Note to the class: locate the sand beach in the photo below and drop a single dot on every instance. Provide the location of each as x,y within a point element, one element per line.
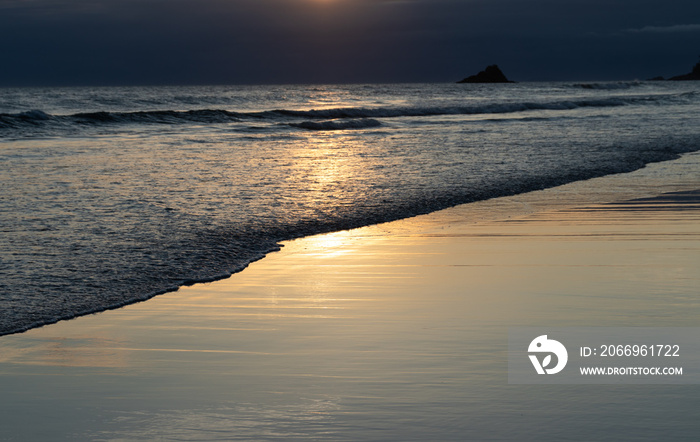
<point>396,331</point>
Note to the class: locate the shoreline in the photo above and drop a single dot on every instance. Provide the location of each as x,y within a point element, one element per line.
<point>393,331</point>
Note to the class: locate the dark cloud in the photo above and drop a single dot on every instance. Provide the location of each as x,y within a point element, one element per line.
<point>277,41</point>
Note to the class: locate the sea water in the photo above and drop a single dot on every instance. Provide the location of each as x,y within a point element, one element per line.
<point>113,195</point>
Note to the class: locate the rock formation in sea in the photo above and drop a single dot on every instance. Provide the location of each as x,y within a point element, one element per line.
<point>693,75</point>
<point>492,74</point>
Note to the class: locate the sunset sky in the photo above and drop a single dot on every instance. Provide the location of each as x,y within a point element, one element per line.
<point>122,42</point>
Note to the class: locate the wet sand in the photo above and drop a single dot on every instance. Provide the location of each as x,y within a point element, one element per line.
<point>389,332</point>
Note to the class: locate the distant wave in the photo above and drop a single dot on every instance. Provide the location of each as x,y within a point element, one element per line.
<point>334,118</point>
<point>38,117</point>
<point>362,123</point>
<point>487,108</point>
<point>609,85</point>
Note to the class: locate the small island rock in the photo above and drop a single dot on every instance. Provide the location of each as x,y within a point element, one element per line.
<point>492,74</point>
<point>694,75</point>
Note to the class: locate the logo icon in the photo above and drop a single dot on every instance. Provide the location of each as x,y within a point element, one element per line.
<point>543,345</point>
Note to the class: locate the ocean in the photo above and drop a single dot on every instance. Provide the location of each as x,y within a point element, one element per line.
<point>114,195</point>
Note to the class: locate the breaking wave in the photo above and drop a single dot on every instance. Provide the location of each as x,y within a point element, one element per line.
<point>609,85</point>
<point>362,123</point>
<point>27,123</point>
